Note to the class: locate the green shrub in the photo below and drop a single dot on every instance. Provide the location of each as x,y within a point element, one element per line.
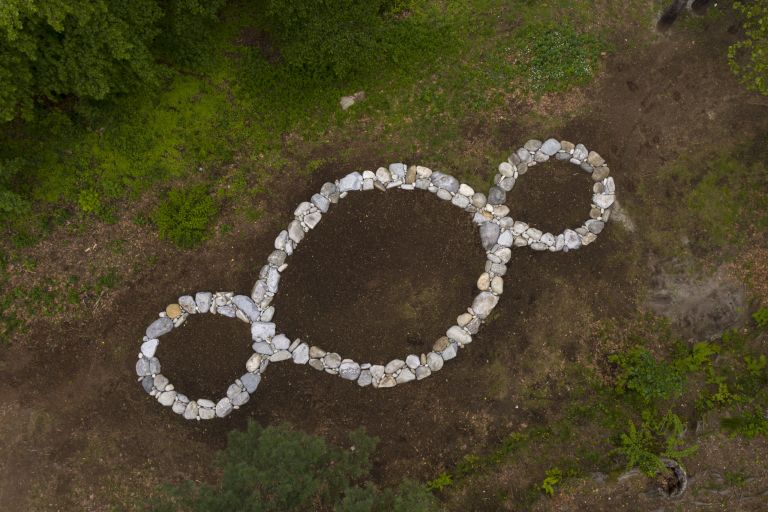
<point>639,372</point>
<point>761,318</point>
<point>553,477</point>
<point>556,57</point>
<point>749,424</point>
<point>637,446</point>
<point>280,469</point>
<point>749,58</point>
<point>185,216</point>
<point>50,51</point>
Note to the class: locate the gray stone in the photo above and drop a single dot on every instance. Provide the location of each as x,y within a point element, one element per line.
<point>580,153</point>
<point>224,407</point>
<point>365,378</point>
<point>562,155</point>
<point>594,159</point>
<point>149,347</point>
<point>441,344</point>
<point>422,372</point>
<point>459,335</point>
<point>600,200</point>
<point>267,314</point>
<point>444,194</point>
<point>410,175</point>
<point>550,147</point>
<point>254,363</point>
<point>398,170</point>
<point>586,167</point>
<point>317,364</point>
<point>412,361</point>
<point>154,365</point>
<point>328,189</point>
<point>548,239</point>
<point>280,355</point>
<point>142,367</point>
<point>281,240</point>
<point>301,354</point>
<point>496,195</point>
<point>506,238</point>
<point>383,175</point>
<point>332,360</point>
<point>349,370</point>
<point>303,209</point>
<point>506,169</point>
<point>259,291</point>
<point>162,325</point>
<point>190,412</point>
<point>262,330</point>
<point>250,381</point>
<point>262,347</point>
<point>204,402</point>
<point>377,372</point>
<point>489,234</point>
<point>295,231</point>
<point>451,351</point>
<point>321,202</point>
<point>609,186</point>
<point>445,182</point>
<point>187,303</point>
<point>600,173</point>
<point>387,381</point>
<point>352,181</point>
<point>148,383</point>
<point>160,382</point>
<point>540,157</point>
<point>203,301</point>
<point>434,361</point>
<point>227,310</point>
<point>460,200</point>
<point>595,226</point>
<point>507,184</point>
<point>281,342</point>
<point>247,306</point>
<point>484,304</point>
<point>572,240</point>
<point>394,365</point>
<point>532,145</point>
<point>206,413</point>
<point>240,398</point>
<point>538,246</point>
<point>533,233</point>
<point>179,406</point>
<point>312,219</point>
<point>405,375</point>
<point>479,200</point>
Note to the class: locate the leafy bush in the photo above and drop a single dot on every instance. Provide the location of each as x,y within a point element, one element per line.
<point>749,58</point>
<point>553,477</point>
<point>556,57</point>
<point>185,216</point>
<point>280,469</point>
<point>749,424</point>
<point>640,373</point>
<point>761,318</point>
<point>643,447</point>
<point>50,51</point>
<point>328,41</point>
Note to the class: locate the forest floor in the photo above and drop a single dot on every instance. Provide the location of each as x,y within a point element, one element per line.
<point>385,275</point>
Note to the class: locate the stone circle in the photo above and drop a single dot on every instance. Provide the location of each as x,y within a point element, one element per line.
<point>499,233</point>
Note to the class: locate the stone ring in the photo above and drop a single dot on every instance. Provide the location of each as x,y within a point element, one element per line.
<point>498,234</point>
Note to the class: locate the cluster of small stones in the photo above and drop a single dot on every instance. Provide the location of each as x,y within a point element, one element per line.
<point>498,233</point>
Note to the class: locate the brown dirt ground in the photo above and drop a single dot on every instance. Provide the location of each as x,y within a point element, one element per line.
<point>79,434</point>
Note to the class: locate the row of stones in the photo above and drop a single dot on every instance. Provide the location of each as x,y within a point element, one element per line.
<point>507,233</point>
<point>308,214</point>
<point>148,366</point>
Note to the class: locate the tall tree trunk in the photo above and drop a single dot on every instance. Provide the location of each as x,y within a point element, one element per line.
<point>671,14</point>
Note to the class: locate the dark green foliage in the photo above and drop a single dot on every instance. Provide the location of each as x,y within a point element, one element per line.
<point>651,380</point>
<point>643,446</point>
<point>761,318</point>
<point>280,469</point>
<point>749,57</point>
<point>185,216</point>
<point>89,49</point>
<point>749,424</point>
<point>556,57</point>
<point>323,40</point>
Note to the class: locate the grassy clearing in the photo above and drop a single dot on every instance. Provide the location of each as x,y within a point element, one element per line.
<point>622,417</point>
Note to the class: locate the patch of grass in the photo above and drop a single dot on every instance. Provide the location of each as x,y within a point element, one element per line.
<point>185,216</point>
<point>642,374</point>
<point>555,57</point>
<point>749,424</point>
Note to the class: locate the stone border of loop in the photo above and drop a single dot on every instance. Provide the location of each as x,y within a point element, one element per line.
<point>498,234</point>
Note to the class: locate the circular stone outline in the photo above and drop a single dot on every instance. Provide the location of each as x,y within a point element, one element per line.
<point>498,234</point>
